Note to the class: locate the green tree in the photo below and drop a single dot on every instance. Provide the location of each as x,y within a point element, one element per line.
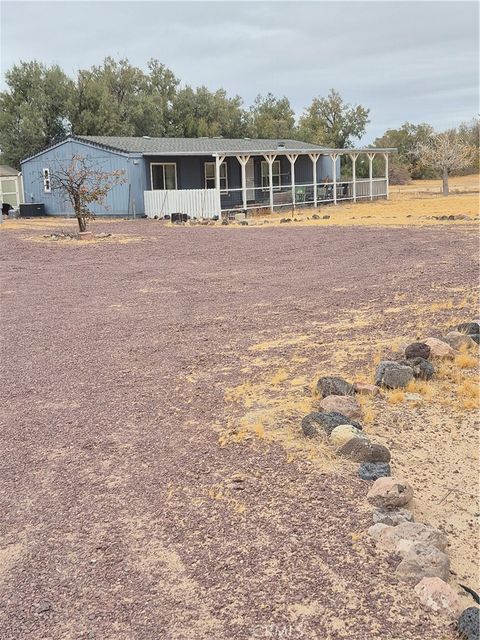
<point>33,109</point>
<point>333,123</point>
<point>407,140</point>
<point>119,99</point>
<point>200,112</point>
<point>470,134</point>
<point>271,117</point>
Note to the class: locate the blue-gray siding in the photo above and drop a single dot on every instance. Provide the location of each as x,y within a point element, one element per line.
<point>117,201</point>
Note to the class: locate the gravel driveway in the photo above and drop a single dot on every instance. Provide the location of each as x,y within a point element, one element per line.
<point>121,516</point>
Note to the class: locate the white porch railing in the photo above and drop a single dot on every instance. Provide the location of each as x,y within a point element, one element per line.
<point>304,194</point>
<point>197,203</point>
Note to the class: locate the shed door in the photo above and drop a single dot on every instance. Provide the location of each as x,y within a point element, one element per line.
<point>250,180</point>
<point>9,191</point>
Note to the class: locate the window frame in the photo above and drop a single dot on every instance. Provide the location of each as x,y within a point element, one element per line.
<point>47,183</point>
<point>266,187</point>
<point>163,164</point>
<point>225,177</point>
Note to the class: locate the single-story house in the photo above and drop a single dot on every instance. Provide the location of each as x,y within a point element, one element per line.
<point>205,177</point>
<point>11,189</point>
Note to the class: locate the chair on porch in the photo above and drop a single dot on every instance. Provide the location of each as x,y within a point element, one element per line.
<point>322,192</point>
<point>300,194</point>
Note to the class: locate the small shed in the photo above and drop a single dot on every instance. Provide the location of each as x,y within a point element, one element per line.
<point>11,188</point>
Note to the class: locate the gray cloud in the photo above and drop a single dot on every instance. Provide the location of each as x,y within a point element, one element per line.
<point>415,61</point>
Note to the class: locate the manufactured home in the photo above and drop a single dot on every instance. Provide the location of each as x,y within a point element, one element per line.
<point>207,177</point>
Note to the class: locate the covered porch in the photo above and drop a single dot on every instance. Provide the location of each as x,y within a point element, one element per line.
<point>225,183</point>
<point>301,179</point>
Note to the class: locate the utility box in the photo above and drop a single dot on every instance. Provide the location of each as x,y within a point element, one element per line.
<point>32,209</point>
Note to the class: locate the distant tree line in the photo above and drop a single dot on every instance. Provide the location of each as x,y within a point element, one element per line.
<point>42,105</point>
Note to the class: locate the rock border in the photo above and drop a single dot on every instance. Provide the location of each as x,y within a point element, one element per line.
<point>425,563</point>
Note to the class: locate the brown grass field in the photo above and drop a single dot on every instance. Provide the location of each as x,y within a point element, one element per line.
<point>155,480</point>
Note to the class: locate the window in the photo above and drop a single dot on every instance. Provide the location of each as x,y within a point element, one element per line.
<point>47,188</point>
<point>275,175</point>
<point>163,175</point>
<point>210,176</point>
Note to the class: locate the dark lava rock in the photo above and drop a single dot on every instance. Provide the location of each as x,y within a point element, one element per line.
<point>374,470</point>
<point>393,375</point>
<point>283,220</point>
<point>362,450</point>
<point>468,624</point>
<point>417,350</point>
<point>422,368</point>
<point>475,337</point>
<point>333,386</point>
<point>469,328</point>
<point>326,422</point>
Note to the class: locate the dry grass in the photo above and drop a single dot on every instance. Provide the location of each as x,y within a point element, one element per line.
<point>466,361</point>
<point>117,238</point>
<point>422,387</point>
<point>432,188</point>
<point>468,395</point>
<point>396,396</point>
<point>409,205</point>
<point>51,224</point>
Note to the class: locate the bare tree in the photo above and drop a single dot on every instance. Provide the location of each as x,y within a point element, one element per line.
<point>446,152</point>
<point>83,183</point>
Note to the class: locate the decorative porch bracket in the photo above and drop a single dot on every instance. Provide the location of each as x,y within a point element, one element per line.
<point>314,158</point>
<point>371,156</point>
<point>270,158</point>
<point>243,163</point>
<point>354,157</point>
<point>292,157</point>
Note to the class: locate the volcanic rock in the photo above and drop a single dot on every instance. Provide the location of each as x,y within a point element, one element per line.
<point>390,492</point>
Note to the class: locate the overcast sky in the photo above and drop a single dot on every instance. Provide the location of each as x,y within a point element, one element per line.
<point>415,61</point>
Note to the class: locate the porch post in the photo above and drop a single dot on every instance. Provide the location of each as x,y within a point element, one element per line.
<point>334,157</point>
<point>292,157</point>
<point>314,158</point>
<point>218,162</point>
<point>270,158</point>
<point>243,163</point>
<point>385,155</point>
<point>354,157</point>
<point>370,172</point>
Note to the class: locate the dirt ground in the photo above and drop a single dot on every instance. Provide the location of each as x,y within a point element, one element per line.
<point>155,482</point>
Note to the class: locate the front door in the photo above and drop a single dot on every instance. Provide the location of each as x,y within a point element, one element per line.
<point>250,180</point>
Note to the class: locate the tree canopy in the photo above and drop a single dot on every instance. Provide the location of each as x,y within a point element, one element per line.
<point>34,111</point>
<point>42,104</point>
<point>333,123</point>
<point>271,117</point>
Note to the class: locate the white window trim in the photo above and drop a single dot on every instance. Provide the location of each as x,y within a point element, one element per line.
<point>275,187</point>
<point>46,180</point>
<point>162,164</point>
<point>224,164</point>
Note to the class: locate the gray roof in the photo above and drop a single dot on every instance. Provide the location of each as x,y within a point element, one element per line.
<point>207,146</point>
<point>148,146</point>
<point>6,171</point>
